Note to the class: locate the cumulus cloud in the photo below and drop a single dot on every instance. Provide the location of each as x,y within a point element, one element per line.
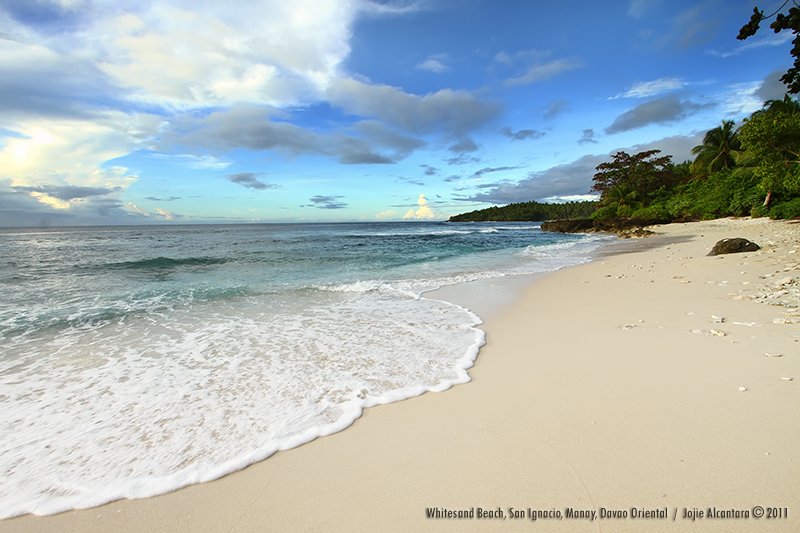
<point>386,215</point>
<point>54,159</point>
<point>275,53</point>
<point>66,192</point>
<point>158,214</point>
<point>423,212</point>
<point>368,142</point>
<point>38,82</point>
<point>562,180</point>
<point>662,110</point>
<point>772,88</point>
<point>33,206</point>
<point>454,112</point>
<point>250,180</point>
<point>521,135</point>
<point>574,179</point>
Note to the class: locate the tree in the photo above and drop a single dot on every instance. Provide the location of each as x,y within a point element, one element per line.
<point>787,106</point>
<point>719,150</point>
<point>642,173</point>
<point>773,138</point>
<point>782,22</point>
<point>624,199</point>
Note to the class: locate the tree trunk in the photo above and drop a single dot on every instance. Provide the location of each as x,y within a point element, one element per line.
<point>766,200</point>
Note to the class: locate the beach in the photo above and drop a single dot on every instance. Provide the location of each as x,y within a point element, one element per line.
<point>655,379</point>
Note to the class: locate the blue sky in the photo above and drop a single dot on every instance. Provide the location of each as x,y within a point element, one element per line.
<point>195,111</point>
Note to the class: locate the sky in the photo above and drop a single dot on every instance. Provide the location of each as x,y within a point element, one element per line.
<point>204,111</point>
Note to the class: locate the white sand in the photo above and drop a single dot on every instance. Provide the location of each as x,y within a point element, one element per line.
<point>603,386</point>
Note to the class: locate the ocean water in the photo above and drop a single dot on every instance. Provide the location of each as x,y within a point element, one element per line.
<point>137,360</point>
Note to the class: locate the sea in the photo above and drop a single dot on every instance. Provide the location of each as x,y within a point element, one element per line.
<point>137,360</point>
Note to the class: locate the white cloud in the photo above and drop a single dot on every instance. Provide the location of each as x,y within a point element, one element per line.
<point>205,54</point>
<point>652,88</point>
<point>424,212</point>
<point>433,65</point>
<point>542,71</point>
<point>204,162</point>
<point>742,99</point>
<point>772,39</point>
<point>386,215</point>
<point>68,153</point>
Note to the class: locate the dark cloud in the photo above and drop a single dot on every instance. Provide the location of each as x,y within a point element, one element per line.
<point>45,85</point>
<point>67,192</point>
<point>490,170</point>
<point>588,137</point>
<point>448,111</point>
<point>575,178</point>
<point>463,159</point>
<point>772,88</point>
<point>326,202</point>
<point>554,108</point>
<point>42,14</point>
<point>170,199</point>
<point>539,71</point>
<point>250,180</point>
<point>562,180</point>
<point>429,170</point>
<point>377,134</point>
<point>19,208</point>
<point>252,128</point>
<point>464,146</point>
<point>662,110</point>
<point>521,135</point>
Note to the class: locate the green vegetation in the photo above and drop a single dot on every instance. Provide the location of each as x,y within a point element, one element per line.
<point>790,21</point>
<point>753,170</point>
<point>750,171</point>
<point>529,212</point>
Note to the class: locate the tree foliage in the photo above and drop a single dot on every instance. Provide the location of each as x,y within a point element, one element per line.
<point>790,21</point>
<point>529,212</point>
<point>642,173</point>
<point>720,149</point>
<point>773,138</point>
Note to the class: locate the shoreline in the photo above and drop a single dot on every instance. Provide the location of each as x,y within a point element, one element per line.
<point>568,407</point>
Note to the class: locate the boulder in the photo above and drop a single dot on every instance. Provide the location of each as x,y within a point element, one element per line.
<point>569,226</point>
<point>733,246</point>
<point>624,227</point>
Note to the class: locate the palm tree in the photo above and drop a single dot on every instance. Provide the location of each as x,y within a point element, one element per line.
<point>719,150</point>
<point>787,106</point>
<point>624,198</point>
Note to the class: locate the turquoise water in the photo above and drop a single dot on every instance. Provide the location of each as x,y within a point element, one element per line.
<point>137,360</point>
